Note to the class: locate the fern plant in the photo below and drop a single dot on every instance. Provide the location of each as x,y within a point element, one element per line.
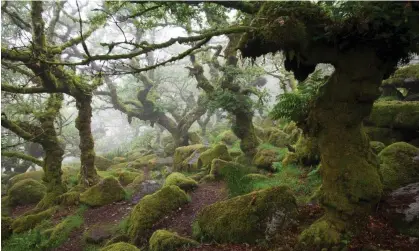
<point>295,105</point>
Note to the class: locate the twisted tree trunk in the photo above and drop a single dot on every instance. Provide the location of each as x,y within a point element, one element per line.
<point>88,175</point>
<point>351,181</point>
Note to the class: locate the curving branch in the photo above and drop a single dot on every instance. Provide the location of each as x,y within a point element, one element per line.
<point>23,156</point>
<point>29,90</point>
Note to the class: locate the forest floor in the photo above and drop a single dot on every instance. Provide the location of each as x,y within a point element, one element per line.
<point>376,233</point>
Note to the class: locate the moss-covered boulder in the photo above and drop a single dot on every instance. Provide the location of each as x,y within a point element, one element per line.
<point>386,135</point>
<point>395,114</point>
<point>118,160</point>
<point>120,246</point>
<point>163,240</point>
<point>148,161</point>
<point>306,152</point>
<point>399,165</point>
<point>69,198</point>
<point>264,159</point>
<point>26,222</point>
<point>219,166</point>
<point>102,163</point>
<point>6,227</point>
<point>186,156</point>
<point>105,192</point>
<point>377,146</point>
<point>227,137</point>
<point>26,192</point>
<point>194,138</point>
<point>278,138</point>
<point>247,218</point>
<point>36,175</point>
<point>126,177</point>
<point>98,233</point>
<point>180,180</point>
<point>216,152</point>
<point>152,208</point>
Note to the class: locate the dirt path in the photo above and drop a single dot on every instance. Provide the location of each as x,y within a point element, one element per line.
<point>181,220</point>
<point>109,215</point>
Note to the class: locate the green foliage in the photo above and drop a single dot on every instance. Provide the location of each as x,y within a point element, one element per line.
<point>295,105</point>
<point>232,175</point>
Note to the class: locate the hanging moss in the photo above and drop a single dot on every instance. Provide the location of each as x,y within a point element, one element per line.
<point>180,180</point>
<point>152,208</point>
<point>163,240</point>
<point>246,218</point>
<point>398,165</point>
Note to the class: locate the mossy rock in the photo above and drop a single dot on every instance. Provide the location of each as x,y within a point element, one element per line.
<point>208,178</point>
<point>163,240</point>
<point>216,152</point>
<point>105,192</point>
<point>148,161</point>
<point>377,146</point>
<point>264,159</point>
<point>386,135</point>
<point>26,222</point>
<point>102,163</point>
<point>98,233</point>
<point>69,198</point>
<point>136,183</point>
<point>169,149</point>
<point>120,246</point>
<point>127,177</point>
<point>399,165</point>
<point>36,175</point>
<point>395,114</point>
<point>307,152</point>
<point>234,153</point>
<point>218,166</point>
<point>198,176</point>
<point>247,218</point>
<point>26,192</point>
<point>6,227</point>
<point>152,208</point>
<point>253,177</point>
<point>290,158</point>
<point>194,138</point>
<point>180,180</point>
<point>227,137</point>
<point>118,160</point>
<point>180,162</point>
<point>5,207</point>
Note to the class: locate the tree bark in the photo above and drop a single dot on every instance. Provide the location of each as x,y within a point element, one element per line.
<point>88,175</point>
<point>351,182</point>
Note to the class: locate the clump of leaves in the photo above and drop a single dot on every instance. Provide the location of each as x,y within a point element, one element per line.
<point>295,105</point>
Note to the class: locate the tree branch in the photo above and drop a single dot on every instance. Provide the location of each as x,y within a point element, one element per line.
<point>22,156</point>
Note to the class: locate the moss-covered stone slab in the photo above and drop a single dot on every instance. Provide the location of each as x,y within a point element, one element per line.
<point>163,240</point>
<point>247,218</point>
<point>120,246</point>
<point>181,162</point>
<point>377,146</point>
<point>107,191</point>
<point>216,152</point>
<point>278,138</point>
<point>227,137</point>
<point>26,222</point>
<point>395,114</point>
<point>148,161</point>
<point>399,165</point>
<point>36,175</point>
<point>102,163</point>
<point>265,158</point>
<point>152,208</point>
<point>180,180</point>
<point>26,192</point>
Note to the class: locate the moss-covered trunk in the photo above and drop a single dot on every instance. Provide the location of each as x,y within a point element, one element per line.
<point>88,175</point>
<point>351,181</point>
<point>243,128</point>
